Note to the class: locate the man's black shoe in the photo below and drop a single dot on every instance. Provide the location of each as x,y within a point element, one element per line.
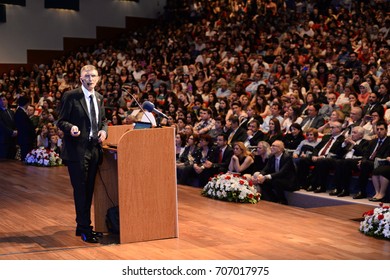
<point>320,190</point>
<point>89,238</point>
<point>310,189</point>
<point>360,195</point>
<point>93,233</point>
<point>334,192</point>
<point>343,193</point>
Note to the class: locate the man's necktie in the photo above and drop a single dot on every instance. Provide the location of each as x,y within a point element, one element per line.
<point>220,156</point>
<point>372,157</point>
<point>327,146</point>
<point>93,118</point>
<point>277,164</point>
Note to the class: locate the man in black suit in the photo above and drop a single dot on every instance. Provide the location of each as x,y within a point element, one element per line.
<point>277,176</point>
<point>82,119</point>
<point>313,119</point>
<point>255,135</point>
<point>8,131</point>
<point>373,105</point>
<point>26,132</point>
<point>237,133</point>
<point>217,161</point>
<point>377,148</point>
<point>329,147</point>
<point>355,147</point>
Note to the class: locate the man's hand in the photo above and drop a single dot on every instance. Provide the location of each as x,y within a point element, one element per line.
<point>102,136</point>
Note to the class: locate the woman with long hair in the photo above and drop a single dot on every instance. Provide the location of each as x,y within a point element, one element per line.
<point>242,160</point>
<point>262,107</point>
<point>275,131</point>
<point>291,116</point>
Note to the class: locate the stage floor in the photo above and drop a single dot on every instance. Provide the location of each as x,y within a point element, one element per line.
<point>37,222</point>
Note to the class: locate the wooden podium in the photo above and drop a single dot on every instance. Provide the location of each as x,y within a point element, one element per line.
<point>139,176</point>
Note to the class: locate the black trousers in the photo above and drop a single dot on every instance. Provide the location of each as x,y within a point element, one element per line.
<point>273,190</point>
<point>82,175</point>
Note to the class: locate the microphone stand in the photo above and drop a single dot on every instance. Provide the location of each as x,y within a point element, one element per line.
<point>139,105</point>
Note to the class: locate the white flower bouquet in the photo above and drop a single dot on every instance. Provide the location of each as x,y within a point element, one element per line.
<point>231,187</point>
<point>43,157</point>
<point>377,222</point>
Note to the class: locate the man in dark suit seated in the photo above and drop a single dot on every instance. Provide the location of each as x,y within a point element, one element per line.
<point>217,160</point>
<point>313,119</point>
<point>237,133</point>
<point>254,134</point>
<point>373,104</point>
<point>277,176</point>
<point>378,148</point>
<point>355,147</point>
<point>329,147</point>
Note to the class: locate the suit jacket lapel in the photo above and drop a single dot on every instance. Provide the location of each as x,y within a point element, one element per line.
<point>83,103</point>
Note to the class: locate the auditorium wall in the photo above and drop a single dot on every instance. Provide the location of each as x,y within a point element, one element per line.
<point>32,27</point>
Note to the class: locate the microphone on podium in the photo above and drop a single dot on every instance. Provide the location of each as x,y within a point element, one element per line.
<point>149,106</point>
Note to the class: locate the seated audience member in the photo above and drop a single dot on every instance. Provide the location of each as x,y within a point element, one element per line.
<point>365,91</point>
<point>330,146</point>
<point>353,102</point>
<point>306,147</point>
<point>187,157</point>
<point>276,110</point>
<point>336,115</point>
<point>242,160</point>
<point>313,119</point>
<point>186,160</point>
<point>206,122</point>
<point>274,132</point>
<point>254,134</point>
<point>354,119</point>
<point>43,137</point>
<point>355,147</point>
<point>180,125</point>
<point>237,133</point>
<point>327,109</point>
<point>180,144</point>
<point>380,180</point>
<point>369,123</point>
<point>378,148</point>
<point>55,144</point>
<point>115,120</point>
<point>251,115</point>
<point>190,173</point>
<point>291,116</point>
<point>236,110</point>
<point>277,176</point>
<point>216,162</point>
<point>261,106</point>
<point>261,156</point>
<point>218,128</point>
<point>294,138</point>
<point>373,104</point>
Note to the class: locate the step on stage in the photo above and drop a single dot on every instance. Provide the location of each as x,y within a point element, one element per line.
<point>37,222</point>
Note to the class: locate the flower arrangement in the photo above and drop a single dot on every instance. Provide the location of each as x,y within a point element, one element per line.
<point>43,157</point>
<point>231,187</point>
<point>377,222</point>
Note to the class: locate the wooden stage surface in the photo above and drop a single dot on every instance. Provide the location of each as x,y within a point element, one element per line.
<point>37,222</point>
